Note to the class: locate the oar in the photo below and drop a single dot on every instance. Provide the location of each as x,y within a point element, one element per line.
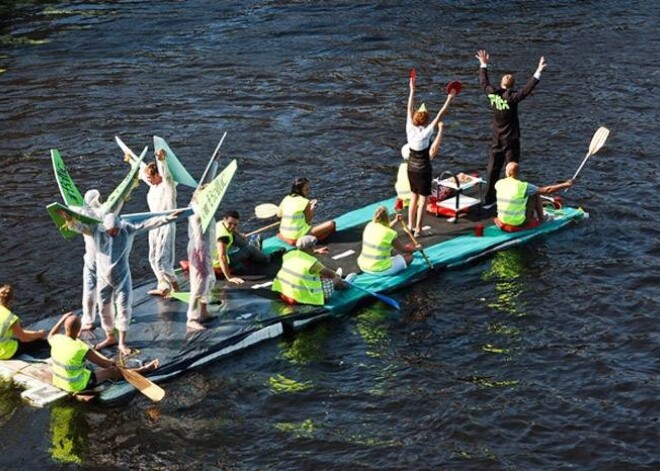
<point>414,241</point>
<point>269,226</point>
<point>600,136</point>
<point>142,384</point>
<point>385,299</point>
<point>266,210</point>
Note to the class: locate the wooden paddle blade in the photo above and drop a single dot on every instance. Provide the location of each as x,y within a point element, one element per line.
<point>413,74</point>
<point>454,86</point>
<point>600,136</point>
<point>266,210</point>
<point>142,384</point>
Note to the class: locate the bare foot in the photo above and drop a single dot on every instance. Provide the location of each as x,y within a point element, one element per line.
<point>175,286</point>
<point>152,365</point>
<point>86,327</point>
<point>159,292</point>
<point>108,342</point>
<point>195,325</point>
<point>125,350</point>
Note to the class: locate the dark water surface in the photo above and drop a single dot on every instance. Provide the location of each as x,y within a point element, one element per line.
<point>541,357</point>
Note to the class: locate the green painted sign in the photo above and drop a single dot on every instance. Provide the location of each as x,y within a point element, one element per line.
<point>209,197</point>
<point>125,187</point>
<point>68,189</point>
<point>55,211</point>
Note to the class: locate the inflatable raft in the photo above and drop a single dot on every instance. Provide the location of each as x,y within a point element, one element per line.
<point>251,313</point>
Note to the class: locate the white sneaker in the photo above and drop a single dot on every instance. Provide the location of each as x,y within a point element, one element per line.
<point>339,271</point>
<point>350,277</point>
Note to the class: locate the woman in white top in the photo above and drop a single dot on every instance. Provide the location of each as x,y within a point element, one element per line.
<point>420,173</point>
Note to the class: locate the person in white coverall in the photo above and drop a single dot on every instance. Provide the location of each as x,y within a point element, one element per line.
<point>113,242</point>
<point>201,246</point>
<point>91,208</point>
<point>161,197</point>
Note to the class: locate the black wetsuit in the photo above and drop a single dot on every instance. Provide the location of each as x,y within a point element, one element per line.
<point>505,145</point>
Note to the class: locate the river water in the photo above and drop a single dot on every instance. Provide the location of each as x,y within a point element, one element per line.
<point>544,356</point>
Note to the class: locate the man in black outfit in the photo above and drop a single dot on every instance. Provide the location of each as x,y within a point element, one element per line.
<point>505,146</point>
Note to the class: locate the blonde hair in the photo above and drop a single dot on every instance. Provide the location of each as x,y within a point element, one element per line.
<point>381,215</point>
<point>6,294</point>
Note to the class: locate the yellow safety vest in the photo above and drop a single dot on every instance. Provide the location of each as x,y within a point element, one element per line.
<point>511,201</point>
<point>68,357</point>
<point>222,231</point>
<point>293,224</point>
<point>376,247</point>
<point>296,280</point>
<point>402,184</point>
<point>8,345</point>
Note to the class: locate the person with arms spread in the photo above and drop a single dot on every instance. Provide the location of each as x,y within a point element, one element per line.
<point>421,152</point>
<point>505,144</point>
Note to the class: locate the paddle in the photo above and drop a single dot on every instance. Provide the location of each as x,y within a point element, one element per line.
<point>600,136</point>
<point>414,241</point>
<point>266,210</point>
<point>142,384</point>
<point>269,226</point>
<point>385,299</point>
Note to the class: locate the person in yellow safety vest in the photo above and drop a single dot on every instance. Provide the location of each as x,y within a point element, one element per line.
<point>68,356</point>
<point>378,240</point>
<point>297,212</point>
<point>518,202</point>
<point>303,279</point>
<point>233,248</point>
<point>13,338</point>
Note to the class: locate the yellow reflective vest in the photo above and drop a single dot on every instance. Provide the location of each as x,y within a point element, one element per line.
<point>293,224</point>
<point>511,201</point>
<point>68,357</point>
<point>296,280</point>
<point>402,184</point>
<point>376,247</point>
<point>222,231</point>
<point>8,345</point>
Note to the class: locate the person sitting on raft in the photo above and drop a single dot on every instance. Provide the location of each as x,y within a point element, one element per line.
<point>303,279</point>
<point>518,203</point>
<point>233,248</point>
<point>378,240</point>
<point>13,338</point>
<point>296,213</point>
<point>68,355</point>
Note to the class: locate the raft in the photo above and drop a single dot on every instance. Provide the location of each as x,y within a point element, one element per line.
<point>251,313</point>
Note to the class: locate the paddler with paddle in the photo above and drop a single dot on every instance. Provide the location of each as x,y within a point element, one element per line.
<point>519,205</point>
<point>14,339</point>
<point>418,132</point>
<point>303,279</point>
<point>378,240</point>
<point>68,355</point>
<point>505,144</point>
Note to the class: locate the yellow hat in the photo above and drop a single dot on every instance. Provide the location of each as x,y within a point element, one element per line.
<point>422,109</point>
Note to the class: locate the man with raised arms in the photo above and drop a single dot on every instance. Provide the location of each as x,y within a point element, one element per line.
<point>505,144</point>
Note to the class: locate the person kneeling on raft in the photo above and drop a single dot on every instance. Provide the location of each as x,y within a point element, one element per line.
<point>14,339</point>
<point>68,355</point>
<point>518,202</point>
<point>378,240</point>
<point>233,248</point>
<point>303,279</point>
<point>297,212</point>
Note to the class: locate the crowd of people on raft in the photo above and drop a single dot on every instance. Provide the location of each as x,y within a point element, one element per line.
<point>302,278</point>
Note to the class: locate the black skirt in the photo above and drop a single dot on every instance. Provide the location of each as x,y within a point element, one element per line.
<point>420,172</point>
